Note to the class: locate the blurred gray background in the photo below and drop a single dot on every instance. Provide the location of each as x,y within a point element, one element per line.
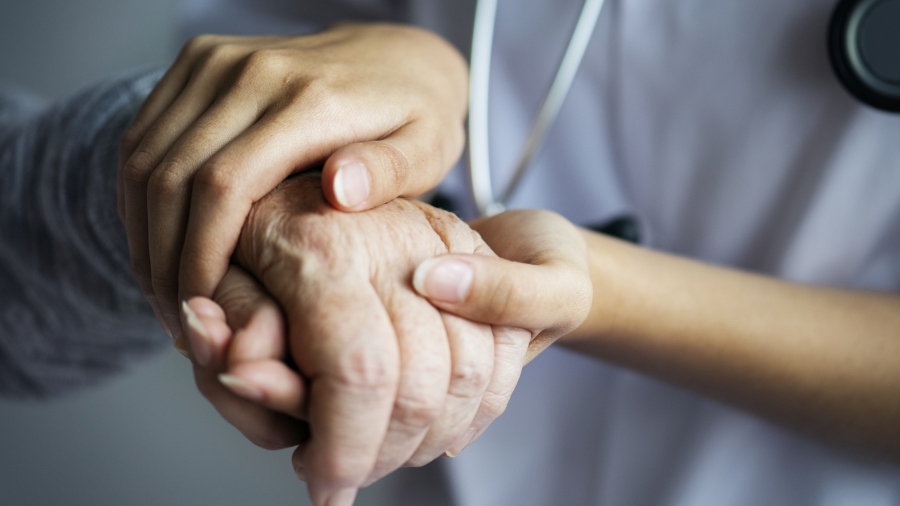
<point>54,47</point>
<point>147,437</point>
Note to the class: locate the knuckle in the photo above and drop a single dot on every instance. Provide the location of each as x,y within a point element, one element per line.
<point>198,44</point>
<point>167,180</point>
<point>417,411</point>
<point>453,232</point>
<point>217,56</point>
<point>217,181</point>
<point>322,96</point>
<point>322,248</point>
<point>264,62</point>
<point>138,168</point>
<point>369,372</point>
<point>469,378</point>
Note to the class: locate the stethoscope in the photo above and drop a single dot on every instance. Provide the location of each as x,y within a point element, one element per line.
<point>863,45</point>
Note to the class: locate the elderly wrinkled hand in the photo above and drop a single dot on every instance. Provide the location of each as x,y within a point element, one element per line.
<point>387,378</point>
<point>382,106</point>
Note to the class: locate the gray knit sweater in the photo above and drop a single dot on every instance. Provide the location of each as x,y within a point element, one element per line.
<point>70,311</point>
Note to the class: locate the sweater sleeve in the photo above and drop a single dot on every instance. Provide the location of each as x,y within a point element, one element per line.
<point>71,313</point>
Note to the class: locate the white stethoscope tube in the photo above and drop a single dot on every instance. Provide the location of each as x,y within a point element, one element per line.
<point>479,89</point>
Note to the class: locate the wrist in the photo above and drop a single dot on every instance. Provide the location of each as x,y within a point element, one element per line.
<point>606,303</point>
<point>610,262</point>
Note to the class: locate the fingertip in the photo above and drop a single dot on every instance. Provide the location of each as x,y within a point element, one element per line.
<point>364,175</point>
<point>241,387</point>
<point>328,497</point>
<point>343,497</point>
<point>205,307</point>
<point>463,441</point>
<point>444,279</point>
<point>263,338</point>
<point>206,335</point>
<point>270,383</point>
<point>421,273</point>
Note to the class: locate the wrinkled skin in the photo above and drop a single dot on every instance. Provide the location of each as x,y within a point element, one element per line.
<point>388,379</point>
<point>234,116</point>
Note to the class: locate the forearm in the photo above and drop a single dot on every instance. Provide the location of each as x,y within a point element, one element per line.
<point>822,360</point>
<point>71,311</point>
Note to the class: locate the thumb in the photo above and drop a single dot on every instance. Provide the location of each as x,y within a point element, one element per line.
<point>409,162</point>
<point>551,298</point>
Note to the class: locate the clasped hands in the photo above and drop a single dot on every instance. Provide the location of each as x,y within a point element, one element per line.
<point>370,330</point>
<point>381,313</point>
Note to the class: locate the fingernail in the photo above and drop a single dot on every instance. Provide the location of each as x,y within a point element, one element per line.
<point>462,442</point>
<point>180,345</point>
<point>351,184</point>
<point>445,280</point>
<point>343,497</point>
<point>198,336</point>
<point>241,387</point>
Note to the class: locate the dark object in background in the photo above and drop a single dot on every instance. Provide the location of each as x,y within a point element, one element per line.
<point>864,46</point>
<point>441,201</point>
<point>623,227</point>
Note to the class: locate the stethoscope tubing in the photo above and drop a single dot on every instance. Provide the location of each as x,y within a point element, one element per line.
<point>479,90</point>
<point>845,50</point>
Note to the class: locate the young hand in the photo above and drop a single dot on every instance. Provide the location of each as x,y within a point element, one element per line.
<point>380,105</point>
<point>538,281</point>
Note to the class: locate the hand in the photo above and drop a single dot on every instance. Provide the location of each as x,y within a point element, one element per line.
<point>540,281</point>
<point>256,349</point>
<point>382,106</point>
<point>391,380</point>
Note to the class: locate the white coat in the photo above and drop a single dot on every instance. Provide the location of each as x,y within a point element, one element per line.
<point>720,126</point>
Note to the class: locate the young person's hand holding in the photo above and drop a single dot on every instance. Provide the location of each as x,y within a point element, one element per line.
<point>382,106</point>
<point>818,359</point>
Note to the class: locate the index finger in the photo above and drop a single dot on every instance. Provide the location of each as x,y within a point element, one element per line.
<point>166,91</point>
